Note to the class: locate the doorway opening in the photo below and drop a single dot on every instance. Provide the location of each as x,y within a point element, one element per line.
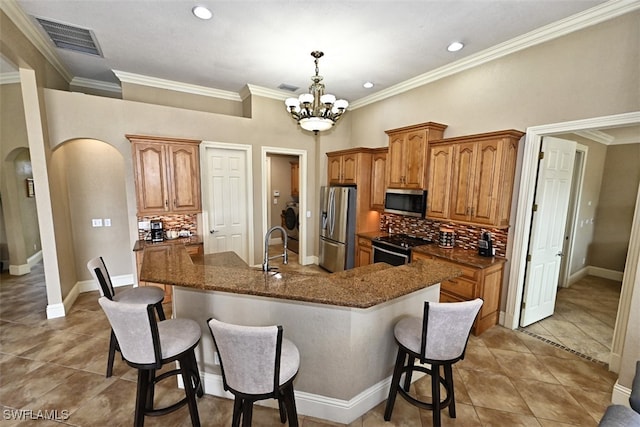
<point>524,220</point>
<point>284,169</point>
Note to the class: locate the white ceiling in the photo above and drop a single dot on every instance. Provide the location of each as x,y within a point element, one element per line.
<point>267,43</point>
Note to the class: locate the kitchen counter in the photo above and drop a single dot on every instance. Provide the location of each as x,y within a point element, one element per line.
<point>342,323</point>
<point>362,287</point>
<point>185,241</point>
<point>459,255</point>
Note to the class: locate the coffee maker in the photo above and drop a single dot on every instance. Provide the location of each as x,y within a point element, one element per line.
<point>157,234</point>
<point>485,245</point>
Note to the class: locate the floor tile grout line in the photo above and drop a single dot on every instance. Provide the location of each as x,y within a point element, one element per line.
<point>562,347</point>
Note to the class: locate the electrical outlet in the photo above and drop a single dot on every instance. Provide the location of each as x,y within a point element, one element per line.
<point>107,222</point>
<point>96,222</point>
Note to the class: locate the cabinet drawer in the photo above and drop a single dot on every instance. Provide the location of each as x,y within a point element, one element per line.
<point>467,272</point>
<point>459,286</point>
<point>364,242</point>
<point>193,249</point>
<point>445,297</point>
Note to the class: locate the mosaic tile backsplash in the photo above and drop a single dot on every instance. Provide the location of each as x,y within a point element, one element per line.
<point>466,236</point>
<point>172,222</point>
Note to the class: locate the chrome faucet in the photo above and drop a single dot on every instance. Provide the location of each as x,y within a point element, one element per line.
<point>265,263</point>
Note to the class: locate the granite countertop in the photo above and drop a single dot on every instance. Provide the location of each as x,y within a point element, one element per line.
<point>361,287</point>
<point>459,255</point>
<point>193,240</point>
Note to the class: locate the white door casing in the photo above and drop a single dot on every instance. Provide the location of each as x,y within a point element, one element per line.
<point>547,229</point>
<point>227,198</point>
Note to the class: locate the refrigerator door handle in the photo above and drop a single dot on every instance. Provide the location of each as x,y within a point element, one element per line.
<point>332,210</point>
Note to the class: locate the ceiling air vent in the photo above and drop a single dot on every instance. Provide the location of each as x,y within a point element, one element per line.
<point>71,38</point>
<point>290,88</point>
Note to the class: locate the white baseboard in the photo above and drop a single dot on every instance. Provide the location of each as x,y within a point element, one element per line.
<point>620,395</point>
<point>605,273</point>
<point>19,270</point>
<point>55,310</point>
<point>615,361</point>
<point>92,285</point>
<point>590,270</point>
<point>313,405</point>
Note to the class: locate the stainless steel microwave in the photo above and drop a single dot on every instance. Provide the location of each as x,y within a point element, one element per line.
<point>406,202</point>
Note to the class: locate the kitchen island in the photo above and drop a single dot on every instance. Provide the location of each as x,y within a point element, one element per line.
<point>342,323</point>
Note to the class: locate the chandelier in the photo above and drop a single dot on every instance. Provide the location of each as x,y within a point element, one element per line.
<point>316,111</point>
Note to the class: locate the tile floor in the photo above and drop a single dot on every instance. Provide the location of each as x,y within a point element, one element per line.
<point>584,318</point>
<point>507,379</point>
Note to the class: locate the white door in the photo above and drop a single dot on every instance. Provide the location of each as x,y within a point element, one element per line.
<point>227,206</point>
<point>553,189</point>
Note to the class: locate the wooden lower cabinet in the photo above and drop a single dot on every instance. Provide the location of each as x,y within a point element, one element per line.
<point>163,252</point>
<point>364,252</point>
<point>485,283</point>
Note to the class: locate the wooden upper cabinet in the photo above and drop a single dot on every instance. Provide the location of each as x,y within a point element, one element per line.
<point>378,177</point>
<point>343,168</point>
<point>167,175</point>
<point>353,167</point>
<point>438,195</point>
<point>407,159</point>
<point>481,178</point>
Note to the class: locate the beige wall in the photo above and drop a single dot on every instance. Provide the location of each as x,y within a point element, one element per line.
<point>95,180</point>
<point>616,206</point>
<point>589,73</point>
<point>134,92</point>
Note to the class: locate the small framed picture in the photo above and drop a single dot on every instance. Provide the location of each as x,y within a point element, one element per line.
<point>30,189</point>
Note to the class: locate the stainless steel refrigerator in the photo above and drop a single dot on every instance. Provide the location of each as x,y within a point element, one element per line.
<point>337,228</point>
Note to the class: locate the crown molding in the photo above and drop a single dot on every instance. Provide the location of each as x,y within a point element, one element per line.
<point>595,15</point>
<point>597,136</point>
<point>250,89</point>
<point>140,79</point>
<point>9,78</point>
<point>95,84</point>
<point>24,24</point>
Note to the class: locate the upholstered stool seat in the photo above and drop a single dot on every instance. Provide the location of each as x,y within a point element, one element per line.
<point>439,339</point>
<point>257,363</point>
<point>148,345</point>
<point>140,295</point>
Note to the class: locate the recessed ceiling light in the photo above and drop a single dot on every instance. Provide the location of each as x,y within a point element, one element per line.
<point>202,12</point>
<point>367,85</point>
<point>455,46</point>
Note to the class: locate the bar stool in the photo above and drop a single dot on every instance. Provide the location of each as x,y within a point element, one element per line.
<point>257,363</point>
<point>142,295</point>
<point>439,339</point>
<point>148,345</point>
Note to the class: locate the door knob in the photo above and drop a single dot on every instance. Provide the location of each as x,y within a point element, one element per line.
<point>560,254</point>
<point>212,231</point>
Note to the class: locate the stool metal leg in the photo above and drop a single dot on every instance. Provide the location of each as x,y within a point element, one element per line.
<point>435,394</point>
<point>113,345</point>
<point>448,379</point>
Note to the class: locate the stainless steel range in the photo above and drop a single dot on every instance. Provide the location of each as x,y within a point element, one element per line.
<point>395,249</point>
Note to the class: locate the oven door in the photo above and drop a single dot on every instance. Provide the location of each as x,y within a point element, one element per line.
<point>390,255</point>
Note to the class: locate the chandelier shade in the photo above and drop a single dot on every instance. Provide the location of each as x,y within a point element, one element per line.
<point>316,111</point>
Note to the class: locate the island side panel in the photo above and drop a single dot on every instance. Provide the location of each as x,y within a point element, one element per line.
<point>344,351</point>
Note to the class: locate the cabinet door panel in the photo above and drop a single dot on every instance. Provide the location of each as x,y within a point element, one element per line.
<point>415,158</point>
<point>334,169</point>
<point>349,168</point>
<point>395,161</point>
<point>183,164</point>
<point>440,163</point>
<point>486,183</point>
<point>462,185</point>
<point>378,180</point>
<point>151,178</point>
